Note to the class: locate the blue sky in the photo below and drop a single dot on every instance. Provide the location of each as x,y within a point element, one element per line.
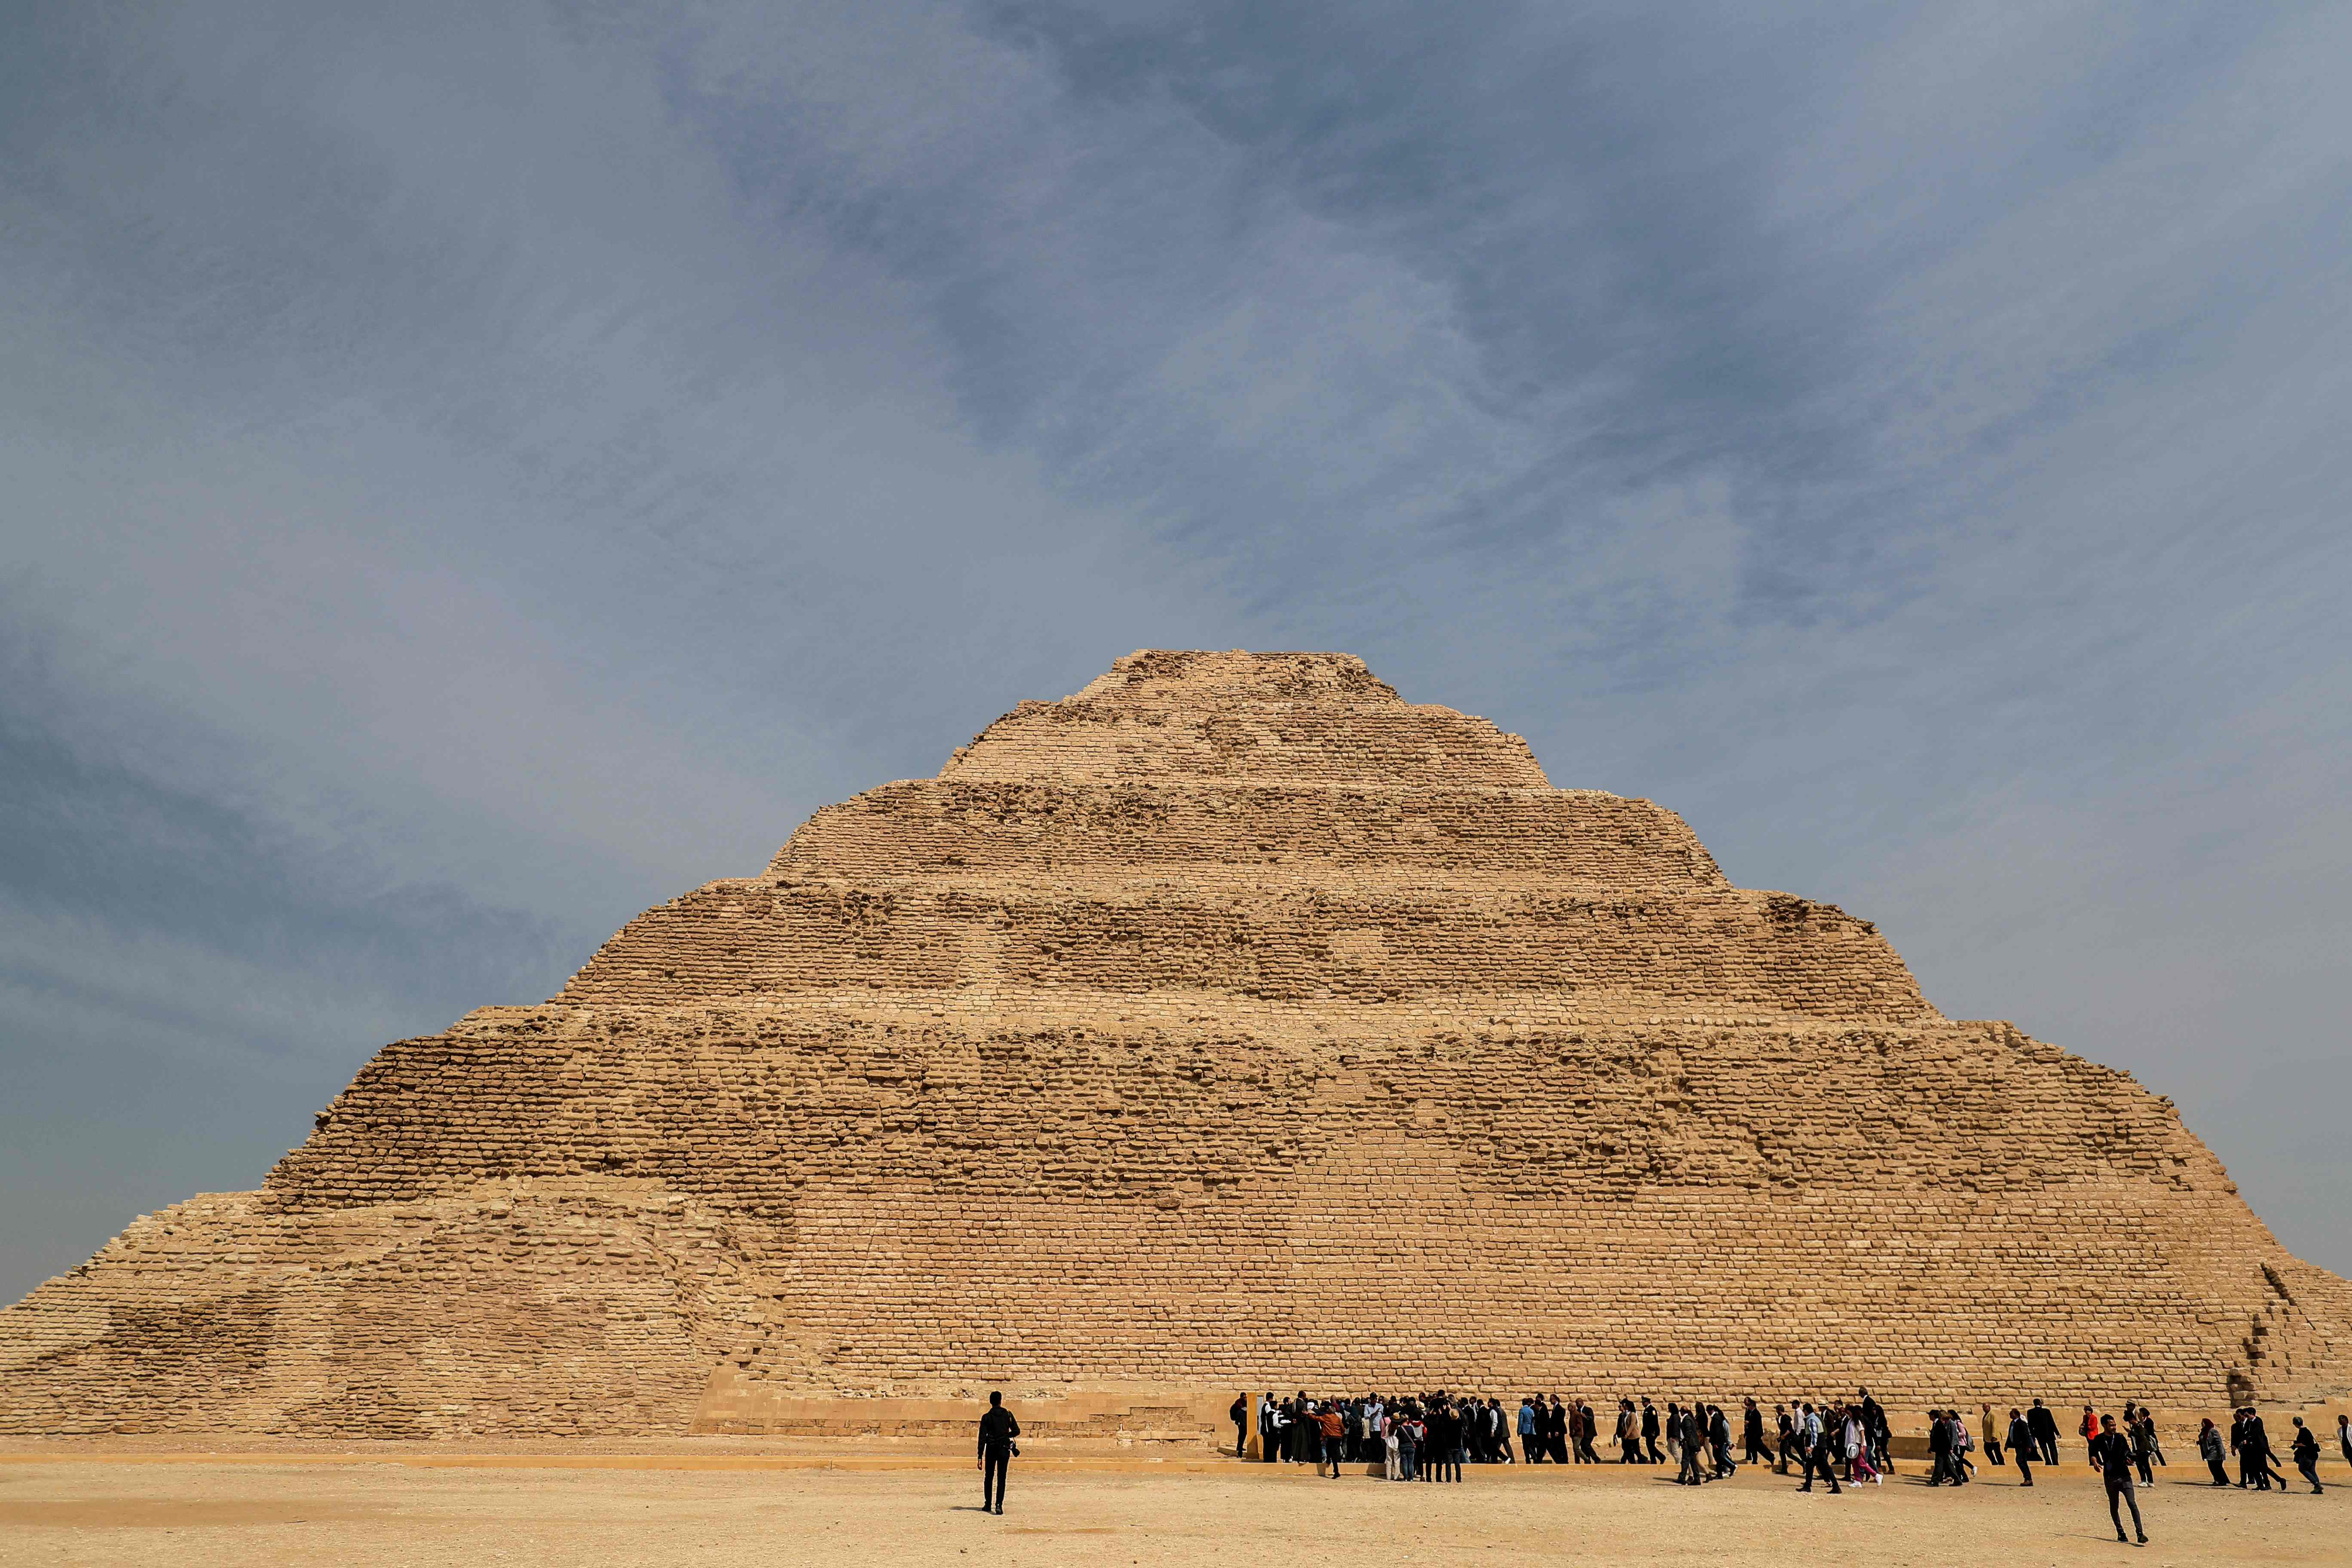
<point>475,471</point>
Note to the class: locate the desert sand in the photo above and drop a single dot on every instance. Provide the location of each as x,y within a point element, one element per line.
<point>423,1509</point>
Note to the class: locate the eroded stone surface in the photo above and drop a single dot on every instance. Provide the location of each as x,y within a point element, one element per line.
<point>1230,1023</point>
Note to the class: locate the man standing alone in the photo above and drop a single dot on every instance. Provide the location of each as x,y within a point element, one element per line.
<point>997,1430</point>
<point>2111,1455</point>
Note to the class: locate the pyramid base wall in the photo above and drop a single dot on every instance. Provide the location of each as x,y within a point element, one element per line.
<point>569,1222</point>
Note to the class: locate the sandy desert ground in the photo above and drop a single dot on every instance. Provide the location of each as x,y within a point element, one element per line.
<point>426,1510</point>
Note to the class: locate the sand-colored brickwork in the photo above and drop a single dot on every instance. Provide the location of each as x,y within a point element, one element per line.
<point>1229,1023</point>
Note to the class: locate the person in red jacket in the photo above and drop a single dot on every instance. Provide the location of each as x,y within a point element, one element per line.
<point>2089,1430</point>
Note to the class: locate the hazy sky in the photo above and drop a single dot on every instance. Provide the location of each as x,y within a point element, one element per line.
<point>472,471</point>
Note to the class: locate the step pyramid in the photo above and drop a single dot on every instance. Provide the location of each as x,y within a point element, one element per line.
<point>1232,1023</point>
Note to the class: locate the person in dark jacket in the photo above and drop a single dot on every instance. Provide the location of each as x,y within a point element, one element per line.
<point>1445,1436</point>
<point>1939,1449</point>
<point>1239,1416</point>
<point>2257,1448</point>
<point>2305,1449</point>
<point>1682,1436</point>
<point>997,1431</point>
<point>2021,1446</point>
<point>1875,1430</point>
<point>1751,1434</point>
<point>2111,1455</point>
<point>1650,1432</point>
<point>2044,1425</point>
<point>2143,1442</point>
<point>1718,1442</point>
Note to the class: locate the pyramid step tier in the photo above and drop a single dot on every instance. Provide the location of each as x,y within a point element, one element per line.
<point>1734,951</point>
<point>1382,747</point>
<point>963,826</point>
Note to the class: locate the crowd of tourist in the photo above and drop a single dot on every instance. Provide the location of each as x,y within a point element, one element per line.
<point>1429,1437</point>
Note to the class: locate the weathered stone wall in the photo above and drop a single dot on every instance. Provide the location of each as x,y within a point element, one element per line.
<point>1127,1072</point>
<point>1731,953</point>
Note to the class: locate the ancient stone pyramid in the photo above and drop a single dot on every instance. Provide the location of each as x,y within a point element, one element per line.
<point>1232,1023</point>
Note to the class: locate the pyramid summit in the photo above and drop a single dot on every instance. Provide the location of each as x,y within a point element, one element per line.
<point>1230,1023</point>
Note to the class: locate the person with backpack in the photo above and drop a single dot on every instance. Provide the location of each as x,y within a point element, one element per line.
<point>2305,1450</point>
<point>2155,1444</point>
<point>1239,1416</point>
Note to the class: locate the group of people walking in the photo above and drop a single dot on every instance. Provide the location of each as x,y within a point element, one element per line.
<point>1429,1437</point>
<point>2249,1440</point>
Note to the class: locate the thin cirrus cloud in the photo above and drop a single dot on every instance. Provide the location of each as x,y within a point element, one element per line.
<point>478,472</point>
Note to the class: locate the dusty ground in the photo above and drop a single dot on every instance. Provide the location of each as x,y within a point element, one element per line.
<point>421,1511</point>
